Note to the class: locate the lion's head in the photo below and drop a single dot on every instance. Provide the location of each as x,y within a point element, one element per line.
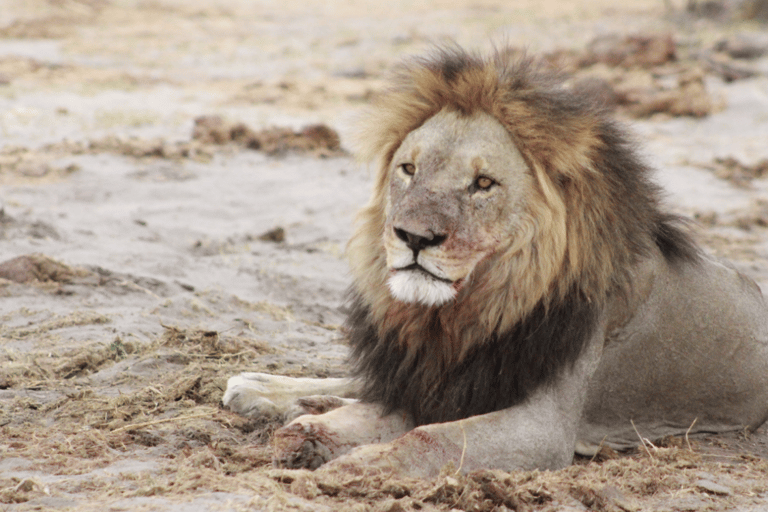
<point>458,194</point>
<point>490,195</point>
<point>502,200</point>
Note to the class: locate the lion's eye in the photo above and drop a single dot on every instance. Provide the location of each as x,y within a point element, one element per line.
<point>484,182</point>
<point>408,169</point>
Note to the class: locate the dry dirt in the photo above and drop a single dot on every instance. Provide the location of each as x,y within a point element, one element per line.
<point>176,194</point>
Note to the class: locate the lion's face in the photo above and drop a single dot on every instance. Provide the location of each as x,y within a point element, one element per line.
<point>458,189</point>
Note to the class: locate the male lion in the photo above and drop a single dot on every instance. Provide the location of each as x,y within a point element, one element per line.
<point>519,293</point>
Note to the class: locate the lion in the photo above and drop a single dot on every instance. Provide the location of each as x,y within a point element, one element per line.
<point>519,291</point>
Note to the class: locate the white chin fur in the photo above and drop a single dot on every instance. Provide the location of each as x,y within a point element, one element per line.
<point>410,286</point>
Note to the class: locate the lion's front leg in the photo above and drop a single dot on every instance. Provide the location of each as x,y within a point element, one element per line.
<point>537,435</point>
<point>356,439</point>
<point>310,441</point>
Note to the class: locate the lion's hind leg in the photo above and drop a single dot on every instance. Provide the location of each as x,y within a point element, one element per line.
<point>257,395</point>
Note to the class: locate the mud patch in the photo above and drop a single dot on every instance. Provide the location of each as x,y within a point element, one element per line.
<point>46,274</point>
<point>236,244</point>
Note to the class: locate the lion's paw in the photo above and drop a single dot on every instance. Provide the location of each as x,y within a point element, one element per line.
<point>257,395</point>
<point>247,395</point>
<point>414,455</point>
<point>304,445</point>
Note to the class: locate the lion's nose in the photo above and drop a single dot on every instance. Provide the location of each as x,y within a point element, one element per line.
<point>419,242</point>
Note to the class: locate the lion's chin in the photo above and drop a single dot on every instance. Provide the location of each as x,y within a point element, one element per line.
<point>418,287</point>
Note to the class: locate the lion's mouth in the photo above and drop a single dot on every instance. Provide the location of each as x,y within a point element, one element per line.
<point>415,267</point>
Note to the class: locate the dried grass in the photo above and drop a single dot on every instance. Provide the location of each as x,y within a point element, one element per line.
<point>738,173</point>
<point>76,318</point>
<point>639,481</point>
<point>175,421</point>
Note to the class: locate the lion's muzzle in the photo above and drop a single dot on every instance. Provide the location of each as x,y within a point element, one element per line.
<point>415,278</point>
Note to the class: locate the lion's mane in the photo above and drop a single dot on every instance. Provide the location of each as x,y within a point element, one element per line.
<point>525,314</point>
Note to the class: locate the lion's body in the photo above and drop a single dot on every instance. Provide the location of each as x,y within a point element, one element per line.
<point>690,354</point>
<point>517,284</point>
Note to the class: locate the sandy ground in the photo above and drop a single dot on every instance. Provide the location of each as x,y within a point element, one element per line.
<point>153,264</point>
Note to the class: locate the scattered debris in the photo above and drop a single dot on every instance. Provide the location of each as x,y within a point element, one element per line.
<point>689,99</point>
<point>30,164</point>
<point>614,484</point>
<point>144,148</point>
<point>212,345</point>
<point>86,361</point>
<point>726,68</point>
<point>617,51</point>
<point>39,268</point>
<point>644,51</point>
<point>738,173</point>
<point>22,490</point>
<point>25,164</point>
<point>743,46</point>
<point>318,139</point>
<point>755,216</point>
<point>635,74</point>
<point>276,235</point>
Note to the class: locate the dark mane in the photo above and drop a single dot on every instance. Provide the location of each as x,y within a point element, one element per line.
<point>496,374</point>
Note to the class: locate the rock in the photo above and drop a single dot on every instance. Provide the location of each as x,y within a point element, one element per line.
<point>711,487</point>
